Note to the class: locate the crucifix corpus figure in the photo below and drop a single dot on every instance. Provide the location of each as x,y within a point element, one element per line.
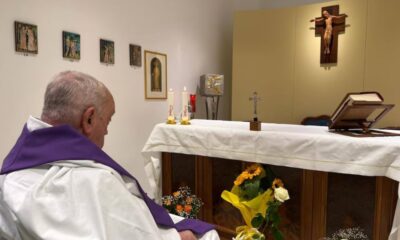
<point>329,25</point>
<point>255,100</point>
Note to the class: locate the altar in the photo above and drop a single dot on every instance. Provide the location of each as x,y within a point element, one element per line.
<point>335,181</point>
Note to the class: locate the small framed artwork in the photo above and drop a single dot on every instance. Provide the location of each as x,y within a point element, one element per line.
<point>26,37</point>
<point>107,52</point>
<point>155,75</point>
<point>71,43</point>
<point>135,55</point>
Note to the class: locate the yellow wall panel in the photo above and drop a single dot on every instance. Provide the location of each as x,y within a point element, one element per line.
<point>383,54</point>
<point>263,62</point>
<point>277,53</point>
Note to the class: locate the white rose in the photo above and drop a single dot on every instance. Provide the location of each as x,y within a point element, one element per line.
<point>281,194</point>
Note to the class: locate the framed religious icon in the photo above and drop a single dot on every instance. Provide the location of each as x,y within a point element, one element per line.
<point>135,55</point>
<point>107,54</point>
<point>155,75</point>
<point>71,45</point>
<point>26,37</point>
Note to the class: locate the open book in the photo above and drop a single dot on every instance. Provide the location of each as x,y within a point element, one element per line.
<point>358,98</point>
<point>359,112</point>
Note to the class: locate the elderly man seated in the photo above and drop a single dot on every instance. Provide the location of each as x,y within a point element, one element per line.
<point>59,184</point>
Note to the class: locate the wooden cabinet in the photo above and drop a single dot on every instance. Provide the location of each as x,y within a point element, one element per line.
<point>320,203</point>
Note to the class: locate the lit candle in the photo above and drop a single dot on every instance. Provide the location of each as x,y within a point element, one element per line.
<point>171,101</point>
<point>185,101</point>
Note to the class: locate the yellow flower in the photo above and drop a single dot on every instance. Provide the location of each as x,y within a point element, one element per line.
<point>277,183</point>
<point>176,194</point>
<point>254,170</point>
<point>245,175</point>
<point>239,180</point>
<point>248,233</point>
<point>189,200</point>
<point>251,172</point>
<point>167,202</point>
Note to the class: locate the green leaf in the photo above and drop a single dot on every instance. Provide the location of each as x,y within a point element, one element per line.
<point>270,175</point>
<point>275,219</point>
<point>251,189</point>
<point>256,236</point>
<point>277,234</point>
<point>267,219</point>
<point>265,183</point>
<point>257,220</point>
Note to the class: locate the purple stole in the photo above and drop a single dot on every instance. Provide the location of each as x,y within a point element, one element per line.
<point>58,143</point>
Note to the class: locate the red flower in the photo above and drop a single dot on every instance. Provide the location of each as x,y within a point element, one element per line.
<point>188,209</point>
<point>179,208</point>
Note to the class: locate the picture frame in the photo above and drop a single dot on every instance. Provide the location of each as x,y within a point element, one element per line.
<point>107,51</point>
<point>71,45</point>
<point>26,38</point>
<point>155,75</point>
<point>135,55</point>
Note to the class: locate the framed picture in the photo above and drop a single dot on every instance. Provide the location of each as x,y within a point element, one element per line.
<point>107,51</point>
<point>155,75</point>
<point>26,38</point>
<point>135,55</point>
<point>71,43</point>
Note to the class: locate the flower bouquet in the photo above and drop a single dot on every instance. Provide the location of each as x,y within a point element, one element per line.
<point>258,197</point>
<point>355,233</point>
<point>182,203</point>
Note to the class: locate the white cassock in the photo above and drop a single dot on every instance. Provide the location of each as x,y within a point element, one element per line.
<point>81,199</point>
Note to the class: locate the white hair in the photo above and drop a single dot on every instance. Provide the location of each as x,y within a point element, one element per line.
<point>69,94</point>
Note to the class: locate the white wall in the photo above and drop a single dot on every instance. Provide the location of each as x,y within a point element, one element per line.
<point>195,34</point>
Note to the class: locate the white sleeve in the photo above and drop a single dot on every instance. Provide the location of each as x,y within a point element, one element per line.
<point>79,203</point>
<point>210,235</point>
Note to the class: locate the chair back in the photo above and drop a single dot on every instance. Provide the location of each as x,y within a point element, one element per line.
<point>323,120</point>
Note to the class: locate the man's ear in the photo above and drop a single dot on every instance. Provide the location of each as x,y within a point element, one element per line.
<point>87,121</point>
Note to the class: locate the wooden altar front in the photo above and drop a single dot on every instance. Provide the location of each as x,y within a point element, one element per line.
<point>320,204</point>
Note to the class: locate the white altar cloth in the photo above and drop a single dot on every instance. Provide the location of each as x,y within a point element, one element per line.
<point>305,147</point>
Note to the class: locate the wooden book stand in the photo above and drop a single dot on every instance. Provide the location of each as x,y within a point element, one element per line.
<point>356,119</point>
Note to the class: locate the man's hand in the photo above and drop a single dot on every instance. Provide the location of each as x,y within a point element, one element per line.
<point>187,235</point>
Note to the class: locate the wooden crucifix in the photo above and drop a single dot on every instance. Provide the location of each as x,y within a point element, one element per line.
<point>328,26</point>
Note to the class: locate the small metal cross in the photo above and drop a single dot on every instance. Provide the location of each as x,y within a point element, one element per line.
<point>255,100</point>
